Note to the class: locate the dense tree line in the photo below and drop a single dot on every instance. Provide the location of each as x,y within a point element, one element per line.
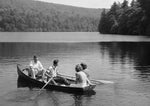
<point>30,15</point>
<point>145,5</point>
<point>127,19</point>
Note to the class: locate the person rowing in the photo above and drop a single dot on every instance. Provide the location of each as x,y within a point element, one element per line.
<point>52,72</point>
<point>35,68</point>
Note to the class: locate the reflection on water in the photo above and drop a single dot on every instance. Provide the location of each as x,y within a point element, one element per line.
<point>136,53</point>
<point>125,63</point>
<point>81,100</point>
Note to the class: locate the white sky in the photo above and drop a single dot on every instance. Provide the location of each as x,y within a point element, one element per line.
<point>86,3</point>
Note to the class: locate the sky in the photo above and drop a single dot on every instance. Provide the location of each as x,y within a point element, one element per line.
<point>86,3</point>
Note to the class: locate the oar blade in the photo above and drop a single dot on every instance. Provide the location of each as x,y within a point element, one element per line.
<point>34,97</point>
<point>106,82</point>
<point>99,82</point>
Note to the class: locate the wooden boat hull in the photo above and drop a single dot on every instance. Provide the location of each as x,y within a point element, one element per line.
<point>40,84</point>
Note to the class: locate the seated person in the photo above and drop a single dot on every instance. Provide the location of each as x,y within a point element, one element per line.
<point>36,68</point>
<point>52,71</point>
<point>81,77</point>
<point>85,69</point>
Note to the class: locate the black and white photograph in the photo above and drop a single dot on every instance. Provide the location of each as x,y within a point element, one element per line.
<point>74,52</point>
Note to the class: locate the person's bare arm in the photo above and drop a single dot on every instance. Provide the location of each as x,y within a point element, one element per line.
<point>88,81</point>
<point>77,78</point>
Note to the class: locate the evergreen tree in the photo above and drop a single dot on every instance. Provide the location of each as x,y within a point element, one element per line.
<point>133,3</point>
<point>124,4</point>
<point>127,20</point>
<point>104,25</point>
<point>145,4</point>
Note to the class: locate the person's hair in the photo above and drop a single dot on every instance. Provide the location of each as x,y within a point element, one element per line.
<point>55,62</point>
<point>84,66</point>
<point>78,68</point>
<point>35,57</point>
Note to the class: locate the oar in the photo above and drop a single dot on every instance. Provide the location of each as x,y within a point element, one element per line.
<point>72,77</point>
<point>102,81</point>
<point>41,89</point>
<point>92,80</point>
<point>45,85</point>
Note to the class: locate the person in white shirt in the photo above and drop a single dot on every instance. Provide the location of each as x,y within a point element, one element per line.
<point>52,72</point>
<point>53,69</point>
<point>36,67</point>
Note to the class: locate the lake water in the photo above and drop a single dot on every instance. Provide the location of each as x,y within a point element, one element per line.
<point>123,60</point>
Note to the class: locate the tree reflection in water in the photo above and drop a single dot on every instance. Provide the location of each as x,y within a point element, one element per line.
<point>137,53</point>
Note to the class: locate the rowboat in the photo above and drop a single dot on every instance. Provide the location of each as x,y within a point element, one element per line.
<point>63,88</point>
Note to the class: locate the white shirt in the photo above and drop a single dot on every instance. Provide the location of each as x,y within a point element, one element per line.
<point>52,71</point>
<point>36,65</point>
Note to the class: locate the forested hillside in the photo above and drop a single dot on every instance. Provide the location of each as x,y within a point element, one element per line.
<point>30,15</point>
<point>127,19</point>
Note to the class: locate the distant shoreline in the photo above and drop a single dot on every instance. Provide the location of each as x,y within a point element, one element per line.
<point>67,37</point>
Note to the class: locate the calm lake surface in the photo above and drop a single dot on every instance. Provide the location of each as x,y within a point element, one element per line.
<point>123,60</point>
